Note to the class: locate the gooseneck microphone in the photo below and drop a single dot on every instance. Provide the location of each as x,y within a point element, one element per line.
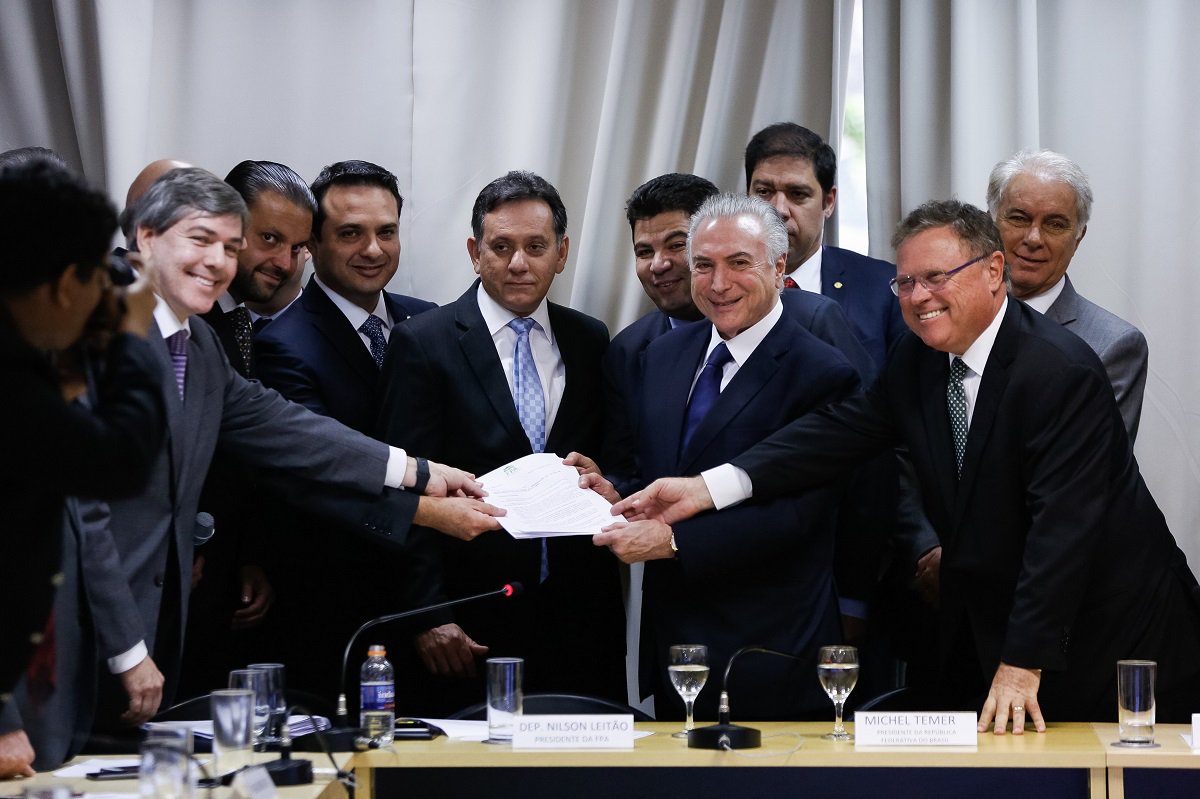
<point>723,734</point>
<point>509,590</point>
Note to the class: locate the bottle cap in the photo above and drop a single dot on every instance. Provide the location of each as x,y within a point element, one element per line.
<point>376,649</point>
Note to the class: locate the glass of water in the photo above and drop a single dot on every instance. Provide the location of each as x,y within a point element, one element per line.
<point>837,669</point>
<point>257,681</point>
<point>688,669</point>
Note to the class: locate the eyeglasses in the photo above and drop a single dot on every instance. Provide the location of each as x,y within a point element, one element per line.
<point>707,267</point>
<point>903,285</point>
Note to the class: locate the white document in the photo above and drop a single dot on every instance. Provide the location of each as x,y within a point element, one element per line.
<point>543,498</point>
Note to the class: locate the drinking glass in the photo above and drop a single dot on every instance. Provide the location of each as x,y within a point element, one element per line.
<point>275,688</point>
<point>688,670</point>
<point>837,669</point>
<point>1135,702</point>
<point>233,717</point>
<point>259,682</point>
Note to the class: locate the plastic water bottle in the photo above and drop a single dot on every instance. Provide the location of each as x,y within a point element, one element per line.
<point>378,715</point>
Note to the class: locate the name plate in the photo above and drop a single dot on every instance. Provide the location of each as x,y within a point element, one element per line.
<point>600,731</point>
<point>1195,742</point>
<point>877,728</point>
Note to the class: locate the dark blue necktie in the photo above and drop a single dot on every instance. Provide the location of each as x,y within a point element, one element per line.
<point>705,392</point>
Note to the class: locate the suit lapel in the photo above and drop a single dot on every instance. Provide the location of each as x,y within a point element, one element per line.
<point>749,380</point>
<point>996,374</point>
<point>833,277</point>
<point>480,352</point>
<point>334,326</point>
<point>1065,309</point>
<point>671,398</point>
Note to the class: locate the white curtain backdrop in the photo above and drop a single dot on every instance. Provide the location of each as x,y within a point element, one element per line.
<point>953,86</point>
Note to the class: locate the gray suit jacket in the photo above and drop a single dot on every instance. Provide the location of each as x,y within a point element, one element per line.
<point>153,531</point>
<point>1121,346</point>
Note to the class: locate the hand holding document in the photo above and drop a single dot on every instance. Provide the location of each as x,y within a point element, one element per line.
<point>542,498</point>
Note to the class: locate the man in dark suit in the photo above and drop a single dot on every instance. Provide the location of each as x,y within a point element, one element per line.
<point>325,354</point>
<point>450,382</point>
<point>795,170</point>
<point>189,229</point>
<point>1041,201</point>
<point>1057,562</point>
<point>711,390</point>
<point>234,592</point>
<point>53,277</point>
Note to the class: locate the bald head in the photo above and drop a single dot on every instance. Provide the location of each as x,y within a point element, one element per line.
<point>144,180</point>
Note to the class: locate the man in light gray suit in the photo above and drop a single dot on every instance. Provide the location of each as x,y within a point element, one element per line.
<point>189,228</point>
<point>1041,201</point>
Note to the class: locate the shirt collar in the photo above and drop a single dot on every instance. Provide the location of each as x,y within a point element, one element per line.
<point>808,274</point>
<point>168,323</point>
<point>1042,302</point>
<point>742,346</point>
<point>355,315</point>
<point>497,317</point>
<point>227,303</point>
<point>977,354</point>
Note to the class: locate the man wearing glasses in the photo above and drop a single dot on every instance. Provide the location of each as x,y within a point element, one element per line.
<point>1057,562</point>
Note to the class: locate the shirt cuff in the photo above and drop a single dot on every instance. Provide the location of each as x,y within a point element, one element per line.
<point>397,465</point>
<point>727,485</point>
<point>119,664</point>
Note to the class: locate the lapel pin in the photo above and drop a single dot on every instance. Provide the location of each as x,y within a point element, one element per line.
<point>837,285</point>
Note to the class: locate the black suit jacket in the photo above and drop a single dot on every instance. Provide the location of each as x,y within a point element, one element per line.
<point>54,450</point>
<point>761,572</point>
<point>860,284</point>
<point>446,396</point>
<point>222,325</point>
<point>1055,555</point>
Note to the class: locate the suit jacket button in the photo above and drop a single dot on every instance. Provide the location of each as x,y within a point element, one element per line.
<point>158,581</point>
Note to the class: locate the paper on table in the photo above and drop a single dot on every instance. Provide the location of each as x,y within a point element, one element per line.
<point>542,498</point>
<point>82,769</point>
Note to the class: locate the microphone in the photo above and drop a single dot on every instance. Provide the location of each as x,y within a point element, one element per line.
<point>723,734</point>
<point>509,590</point>
<point>204,529</point>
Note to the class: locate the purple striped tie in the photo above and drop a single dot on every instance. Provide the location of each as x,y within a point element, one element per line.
<point>177,343</point>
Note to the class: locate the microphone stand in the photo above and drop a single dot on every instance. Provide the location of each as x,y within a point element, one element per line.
<point>344,735</point>
<point>723,734</point>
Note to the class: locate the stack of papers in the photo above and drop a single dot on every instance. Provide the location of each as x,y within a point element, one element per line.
<point>297,726</point>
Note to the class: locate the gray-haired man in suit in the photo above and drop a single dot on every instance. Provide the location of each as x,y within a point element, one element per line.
<point>1041,201</point>
<point>189,229</point>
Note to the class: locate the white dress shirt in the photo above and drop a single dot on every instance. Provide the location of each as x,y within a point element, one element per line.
<point>356,316</point>
<point>808,274</point>
<point>1042,302</point>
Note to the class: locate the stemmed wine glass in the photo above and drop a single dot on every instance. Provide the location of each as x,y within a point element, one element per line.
<point>837,670</point>
<point>689,671</point>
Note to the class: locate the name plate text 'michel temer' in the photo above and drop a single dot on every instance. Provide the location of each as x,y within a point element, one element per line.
<point>601,731</point>
<point>931,728</point>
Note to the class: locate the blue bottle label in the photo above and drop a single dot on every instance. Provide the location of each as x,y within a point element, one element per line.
<point>379,696</point>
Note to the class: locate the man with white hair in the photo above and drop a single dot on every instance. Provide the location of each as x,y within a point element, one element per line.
<point>1041,201</point>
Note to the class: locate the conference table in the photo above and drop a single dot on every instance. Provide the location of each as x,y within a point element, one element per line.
<point>1067,761</point>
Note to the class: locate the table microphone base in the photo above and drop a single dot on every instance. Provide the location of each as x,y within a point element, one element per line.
<point>724,736</point>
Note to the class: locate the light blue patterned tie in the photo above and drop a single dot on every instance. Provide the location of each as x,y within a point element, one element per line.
<point>956,405</point>
<point>531,405</point>
<point>373,330</point>
<point>527,388</point>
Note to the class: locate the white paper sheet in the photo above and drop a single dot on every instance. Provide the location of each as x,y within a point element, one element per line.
<point>543,498</point>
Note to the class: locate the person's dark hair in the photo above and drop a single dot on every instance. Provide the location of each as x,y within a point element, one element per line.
<point>186,191</point>
<point>252,178</point>
<point>666,193</point>
<point>973,226</point>
<point>49,219</point>
<point>792,140</point>
<point>518,185</point>
<point>351,173</point>
<point>24,155</point>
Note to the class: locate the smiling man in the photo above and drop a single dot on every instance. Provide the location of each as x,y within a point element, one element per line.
<point>712,389</point>
<point>500,373</point>
<point>658,212</point>
<point>189,228</point>
<point>1057,562</point>
<point>1042,201</point>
